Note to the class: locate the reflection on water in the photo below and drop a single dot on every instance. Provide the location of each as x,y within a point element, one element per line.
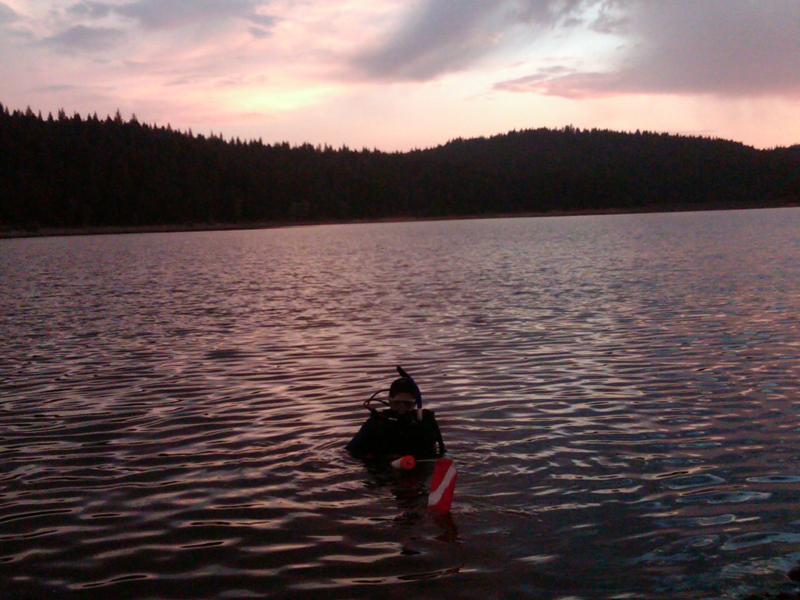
<point>620,394</point>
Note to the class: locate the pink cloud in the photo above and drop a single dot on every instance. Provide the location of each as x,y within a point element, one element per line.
<point>562,82</point>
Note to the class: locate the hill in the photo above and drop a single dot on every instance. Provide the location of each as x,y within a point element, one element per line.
<point>75,172</point>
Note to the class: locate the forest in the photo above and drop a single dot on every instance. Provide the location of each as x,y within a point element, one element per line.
<point>82,172</point>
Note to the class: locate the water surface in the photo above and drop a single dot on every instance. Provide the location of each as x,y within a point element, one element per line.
<point>619,393</point>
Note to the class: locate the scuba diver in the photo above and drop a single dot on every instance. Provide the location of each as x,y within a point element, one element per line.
<point>398,430</point>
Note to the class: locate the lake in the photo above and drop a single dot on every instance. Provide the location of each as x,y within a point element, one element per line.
<point>619,394</point>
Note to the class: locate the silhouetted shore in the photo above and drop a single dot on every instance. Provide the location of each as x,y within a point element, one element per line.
<point>68,175</point>
<point>76,231</point>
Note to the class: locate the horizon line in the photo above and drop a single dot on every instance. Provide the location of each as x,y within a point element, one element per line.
<point>325,145</point>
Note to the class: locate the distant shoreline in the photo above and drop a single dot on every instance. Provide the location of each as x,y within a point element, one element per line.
<point>10,233</point>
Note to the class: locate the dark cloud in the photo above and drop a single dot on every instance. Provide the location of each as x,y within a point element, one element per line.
<point>171,14</point>
<point>612,18</point>
<point>90,9</point>
<point>47,89</point>
<point>442,36</point>
<point>263,20</point>
<point>83,38</point>
<point>727,47</point>
<point>445,35</point>
<point>174,14</point>
<point>547,12</point>
<point>724,47</point>
<point>715,46</point>
<point>6,14</point>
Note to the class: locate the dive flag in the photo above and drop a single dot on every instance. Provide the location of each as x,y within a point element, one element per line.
<point>443,486</point>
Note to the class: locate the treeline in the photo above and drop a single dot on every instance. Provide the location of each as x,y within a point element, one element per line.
<point>70,171</point>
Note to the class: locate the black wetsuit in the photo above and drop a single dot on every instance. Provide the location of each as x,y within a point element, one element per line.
<point>388,434</point>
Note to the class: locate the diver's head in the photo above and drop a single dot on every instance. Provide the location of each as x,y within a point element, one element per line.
<point>402,396</point>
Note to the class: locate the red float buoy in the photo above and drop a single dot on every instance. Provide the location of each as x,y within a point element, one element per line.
<point>405,463</point>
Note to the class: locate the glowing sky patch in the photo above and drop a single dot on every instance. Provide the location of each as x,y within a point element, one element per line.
<point>271,100</point>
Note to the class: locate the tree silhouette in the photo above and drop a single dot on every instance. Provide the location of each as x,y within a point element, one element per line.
<point>70,172</point>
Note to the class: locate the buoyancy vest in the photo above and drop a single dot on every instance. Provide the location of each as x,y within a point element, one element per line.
<point>388,434</point>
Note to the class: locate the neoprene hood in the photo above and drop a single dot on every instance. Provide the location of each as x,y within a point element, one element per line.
<point>402,385</point>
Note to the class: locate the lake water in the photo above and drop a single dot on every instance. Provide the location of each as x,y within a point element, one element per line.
<point>619,393</point>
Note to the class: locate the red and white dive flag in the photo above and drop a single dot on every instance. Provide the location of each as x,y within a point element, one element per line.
<point>443,485</point>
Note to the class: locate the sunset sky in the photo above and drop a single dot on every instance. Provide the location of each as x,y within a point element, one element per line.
<point>398,74</point>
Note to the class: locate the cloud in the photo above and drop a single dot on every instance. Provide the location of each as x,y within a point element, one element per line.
<point>172,14</point>
<point>6,14</point>
<point>611,18</point>
<point>46,89</point>
<point>83,38</point>
<point>737,47</point>
<point>90,9</point>
<point>175,14</point>
<point>722,47</point>
<point>262,20</point>
<point>548,12</point>
<point>442,36</point>
<point>565,82</point>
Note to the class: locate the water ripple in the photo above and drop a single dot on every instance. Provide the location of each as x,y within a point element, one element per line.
<point>619,393</point>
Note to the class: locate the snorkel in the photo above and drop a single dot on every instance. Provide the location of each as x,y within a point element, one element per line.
<point>417,393</point>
